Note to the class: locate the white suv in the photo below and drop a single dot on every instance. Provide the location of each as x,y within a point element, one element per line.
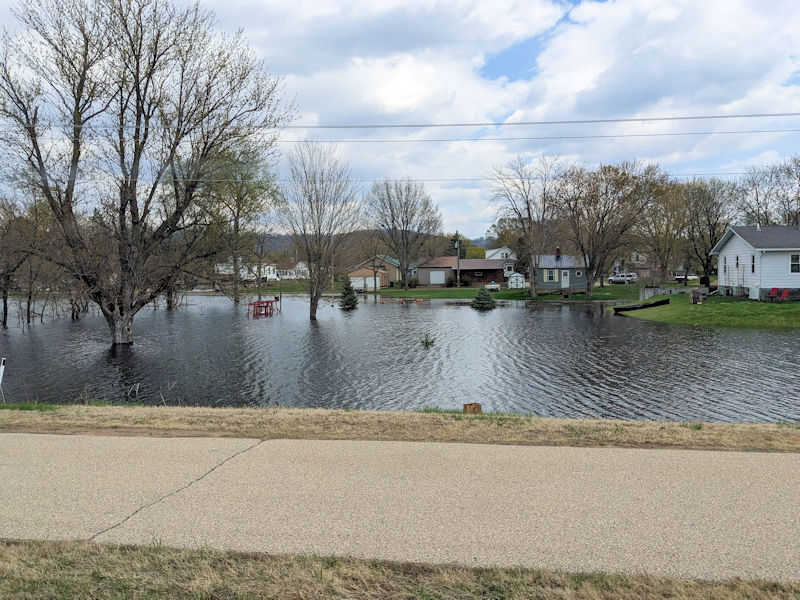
<point>624,278</point>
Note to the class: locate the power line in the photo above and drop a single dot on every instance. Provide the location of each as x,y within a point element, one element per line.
<point>509,123</point>
<point>540,138</point>
<point>558,122</point>
<point>495,139</point>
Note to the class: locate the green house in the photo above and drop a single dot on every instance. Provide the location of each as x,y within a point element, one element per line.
<point>560,272</point>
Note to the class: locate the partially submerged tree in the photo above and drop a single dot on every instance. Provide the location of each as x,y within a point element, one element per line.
<point>318,206</point>
<point>120,110</point>
<point>407,216</point>
<point>349,300</point>
<point>524,195</point>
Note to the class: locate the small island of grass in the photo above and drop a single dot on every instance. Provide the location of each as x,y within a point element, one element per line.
<point>723,312</point>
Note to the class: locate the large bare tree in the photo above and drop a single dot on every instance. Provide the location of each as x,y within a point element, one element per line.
<point>601,208</point>
<point>120,110</point>
<point>406,215</point>
<point>524,195</point>
<point>319,207</point>
<point>710,209</point>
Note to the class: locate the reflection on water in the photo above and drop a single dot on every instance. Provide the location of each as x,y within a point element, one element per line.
<point>555,360</point>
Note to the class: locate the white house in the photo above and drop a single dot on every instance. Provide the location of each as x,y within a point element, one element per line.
<point>300,271</point>
<point>752,260</point>
<point>502,252</point>
<point>508,255</point>
<point>248,271</point>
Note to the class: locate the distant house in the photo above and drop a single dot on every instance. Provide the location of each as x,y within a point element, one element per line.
<point>437,270</point>
<point>752,260</point>
<point>300,271</point>
<point>384,263</point>
<point>560,272</point>
<point>248,272</point>
<point>507,254</point>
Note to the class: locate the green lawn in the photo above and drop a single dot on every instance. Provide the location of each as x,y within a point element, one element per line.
<point>724,312</point>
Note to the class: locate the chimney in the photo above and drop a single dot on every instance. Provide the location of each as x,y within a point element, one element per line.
<point>558,253</point>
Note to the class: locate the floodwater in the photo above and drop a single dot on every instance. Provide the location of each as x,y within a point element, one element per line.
<point>554,360</point>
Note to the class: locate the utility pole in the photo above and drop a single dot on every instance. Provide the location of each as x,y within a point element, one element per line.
<point>458,259</point>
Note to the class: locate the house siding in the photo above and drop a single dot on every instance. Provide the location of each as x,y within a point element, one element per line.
<point>739,280</point>
<point>776,272</point>
<point>576,282</point>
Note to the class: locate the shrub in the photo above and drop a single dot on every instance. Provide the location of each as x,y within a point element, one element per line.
<point>413,282</point>
<point>451,281</point>
<point>466,281</point>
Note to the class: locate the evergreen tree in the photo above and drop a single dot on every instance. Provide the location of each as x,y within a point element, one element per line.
<point>484,300</point>
<point>349,299</point>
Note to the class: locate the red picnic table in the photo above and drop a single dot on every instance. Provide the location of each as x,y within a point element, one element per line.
<point>263,308</point>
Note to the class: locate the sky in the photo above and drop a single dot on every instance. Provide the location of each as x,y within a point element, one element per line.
<point>390,62</point>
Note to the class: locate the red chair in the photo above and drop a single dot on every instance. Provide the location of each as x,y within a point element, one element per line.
<point>784,295</point>
<point>773,293</point>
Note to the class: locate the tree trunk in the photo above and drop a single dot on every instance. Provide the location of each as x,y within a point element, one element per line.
<point>314,304</point>
<point>534,283</point>
<point>5,307</point>
<point>121,327</point>
<point>236,297</point>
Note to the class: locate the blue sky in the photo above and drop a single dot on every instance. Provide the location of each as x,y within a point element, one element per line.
<point>534,60</point>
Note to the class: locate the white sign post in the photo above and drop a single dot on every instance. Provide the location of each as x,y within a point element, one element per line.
<point>2,370</point>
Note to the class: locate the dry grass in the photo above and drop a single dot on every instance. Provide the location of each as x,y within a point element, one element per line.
<point>320,424</point>
<point>86,570</point>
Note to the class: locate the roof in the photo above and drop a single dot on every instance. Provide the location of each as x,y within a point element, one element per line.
<point>486,264</point>
<point>566,261</point>
<point>439,262</point>
<point>389,259</point>
<point>779,237</point>
<point>381,258</point>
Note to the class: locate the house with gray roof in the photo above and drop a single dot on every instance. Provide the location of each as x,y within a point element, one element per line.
<point>560,273</point>
<point>752,260</point>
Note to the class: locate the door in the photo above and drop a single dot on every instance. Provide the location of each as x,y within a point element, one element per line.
<point>437,277</point>
<point>564,279</point>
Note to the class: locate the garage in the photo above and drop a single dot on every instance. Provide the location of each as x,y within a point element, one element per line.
<point>364,283</point>
<point>437,277</point>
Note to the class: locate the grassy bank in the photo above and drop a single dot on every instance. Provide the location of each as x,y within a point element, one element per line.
<point>433,425</point>
<point>724,312</point>
<point>87,570</point>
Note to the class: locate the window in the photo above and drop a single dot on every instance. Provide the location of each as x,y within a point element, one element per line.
<point>478,273</point>
<point>752,263</point>
<point>795,263</point>
<point>577,273</point>
<point>737,263</point>
<point>551,275</point>
<point>724,264</point>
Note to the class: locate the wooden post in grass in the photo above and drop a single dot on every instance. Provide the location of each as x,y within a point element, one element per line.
<point>473,408</point>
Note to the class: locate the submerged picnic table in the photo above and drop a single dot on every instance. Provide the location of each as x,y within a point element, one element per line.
<point>263,308</point>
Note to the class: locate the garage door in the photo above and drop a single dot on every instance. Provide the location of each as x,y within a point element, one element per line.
<point>437,277</point>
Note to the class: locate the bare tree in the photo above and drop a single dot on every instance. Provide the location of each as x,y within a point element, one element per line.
<point>12,255</point>
<point>407,216</point>
<point>121,108</point>
<point>710,208</point>
<point>524,194</point>
<point>319,207</point>
<point>601,207</point>
<point>660,232</point>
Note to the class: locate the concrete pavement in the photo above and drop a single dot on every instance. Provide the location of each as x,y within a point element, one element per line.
<point>709,515</point>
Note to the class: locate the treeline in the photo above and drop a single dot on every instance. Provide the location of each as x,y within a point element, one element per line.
<point>607,213</point>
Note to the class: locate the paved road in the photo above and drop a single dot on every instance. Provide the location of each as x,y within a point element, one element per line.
<point>708,515</point>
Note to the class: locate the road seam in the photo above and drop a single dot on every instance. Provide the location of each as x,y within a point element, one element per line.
<point>177,491</point>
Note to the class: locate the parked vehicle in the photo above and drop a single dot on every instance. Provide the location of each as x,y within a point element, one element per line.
<point>679,277</point>
<point>624,278</point>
